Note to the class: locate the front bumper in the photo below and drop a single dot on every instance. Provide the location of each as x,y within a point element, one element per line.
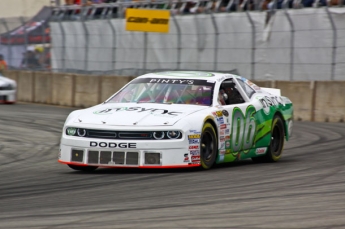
<point>7,96</point>
<point>127,153</point>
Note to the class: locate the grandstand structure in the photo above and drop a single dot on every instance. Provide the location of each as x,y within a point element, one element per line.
<point>262,40</point>
<point>117,8</point>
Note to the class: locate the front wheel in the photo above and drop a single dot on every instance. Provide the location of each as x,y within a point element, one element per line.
<point>275,149</point>
<point>208,146</point>
<point>83,168</point>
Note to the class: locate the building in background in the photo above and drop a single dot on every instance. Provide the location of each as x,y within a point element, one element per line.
<point>22,8</point>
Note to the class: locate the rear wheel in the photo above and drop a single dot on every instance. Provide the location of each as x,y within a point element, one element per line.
<point>208,146</point>
<point>83,168</point>
<point>275,149</point>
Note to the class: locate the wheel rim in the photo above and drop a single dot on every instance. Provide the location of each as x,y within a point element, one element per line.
<point>207,146</point>
<point>276,141</point>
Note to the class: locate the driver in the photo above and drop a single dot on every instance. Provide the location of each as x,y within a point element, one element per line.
<point>222,97</point>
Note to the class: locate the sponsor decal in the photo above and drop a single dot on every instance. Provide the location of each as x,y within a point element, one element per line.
<point>222,132</point>
<point>171,81</point>
<point>220,120</point>
<point>222,126</point>
<point>221,157</point>
<point>219,113</point>
<point>195,158</point>
<point>227,131</point>
<point>222,152</point>
<point>227,144</point>
<point>186,158</point>
<point>222,145</point>
<point>194,147</point>
<point>253,85</point>
<point>261,150</point>
<point>195,131</point>
<point>214,113</point>
<point>290,125</point>
<point>227,151</point>
<point>136,109</point>
<point>194,152</point>
<point>193,136</point>
<point>227,137</point>
<point>113,145</point>
<point>225,113</point>
<point>147,20</point>
<point>222,138</point>
<point>195,163</point>
<point>194,141</point>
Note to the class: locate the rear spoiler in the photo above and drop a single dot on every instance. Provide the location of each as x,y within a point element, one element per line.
<point>273,91</point>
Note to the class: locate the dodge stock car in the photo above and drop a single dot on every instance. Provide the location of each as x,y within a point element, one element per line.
<point>7,90</point>
<point>179,119</point>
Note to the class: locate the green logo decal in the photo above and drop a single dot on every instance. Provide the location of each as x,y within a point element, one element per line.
<point>243,129</point>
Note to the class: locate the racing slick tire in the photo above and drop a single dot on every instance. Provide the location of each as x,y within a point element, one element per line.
<point>208,146</point>
<point>275,149</point>
<point>83,168</point>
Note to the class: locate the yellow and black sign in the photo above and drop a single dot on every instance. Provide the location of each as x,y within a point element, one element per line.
<point>147,20</point>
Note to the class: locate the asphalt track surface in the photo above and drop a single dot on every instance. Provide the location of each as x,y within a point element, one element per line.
<point>306,189</point>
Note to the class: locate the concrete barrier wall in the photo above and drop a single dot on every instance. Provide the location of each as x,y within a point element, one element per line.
<point>321,101</point>
<point>111,84</point>
<point>301,95</point>
<point>329,101</point>
<point>87,90</point>
<point>43,87</point>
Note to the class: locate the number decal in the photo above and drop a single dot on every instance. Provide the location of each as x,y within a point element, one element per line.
<point>243,129</point>
<point>237,129</point>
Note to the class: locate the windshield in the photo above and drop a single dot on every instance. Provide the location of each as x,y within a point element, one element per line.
<point>157,90</point>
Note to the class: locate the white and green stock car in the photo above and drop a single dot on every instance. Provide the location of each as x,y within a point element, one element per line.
<point>179,119</point>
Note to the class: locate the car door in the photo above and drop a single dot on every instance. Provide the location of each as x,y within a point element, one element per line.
<point>241,121</point>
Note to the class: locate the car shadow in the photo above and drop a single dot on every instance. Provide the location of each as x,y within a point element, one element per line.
<point>217,167</point>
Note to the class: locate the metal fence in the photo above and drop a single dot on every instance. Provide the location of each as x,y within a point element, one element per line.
<point>207,46</point>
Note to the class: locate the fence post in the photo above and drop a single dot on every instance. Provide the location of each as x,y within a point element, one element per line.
<point>292,39</point>
<point>145,52</point>
<point>113,30</point>
<point>334,47</point>
<point>9,42</point>
<point>252,74</point>
<point>178,62</point>
<point>87,38</point>
<point>25,39</point>
<point>216,41</point>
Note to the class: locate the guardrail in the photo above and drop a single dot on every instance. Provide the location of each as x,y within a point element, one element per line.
<point>321,101</point>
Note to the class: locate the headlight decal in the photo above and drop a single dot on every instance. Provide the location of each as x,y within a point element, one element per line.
<point>128,135</point>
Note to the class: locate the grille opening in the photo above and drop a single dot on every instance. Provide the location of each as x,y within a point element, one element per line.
<point>101,134</point>
<point>93,157</point>
<point>105,157</point>
<point>77,155</point>
<point>135,135</point>
<point>119,158</point>
<point>132,158</point>
<point>152,158</point>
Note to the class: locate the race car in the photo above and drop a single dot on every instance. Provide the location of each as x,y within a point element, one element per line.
<point>8,90</point>
<point>179,119</point>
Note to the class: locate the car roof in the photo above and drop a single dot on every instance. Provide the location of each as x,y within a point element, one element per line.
<point>188,74</point>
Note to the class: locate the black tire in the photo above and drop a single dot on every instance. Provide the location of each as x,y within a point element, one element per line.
<point>83,168</point>
<point>275,149</point>
<point>208,146</point>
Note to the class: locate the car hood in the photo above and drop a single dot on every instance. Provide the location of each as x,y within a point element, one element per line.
<point>141,114</point>
<point>6,81</point>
